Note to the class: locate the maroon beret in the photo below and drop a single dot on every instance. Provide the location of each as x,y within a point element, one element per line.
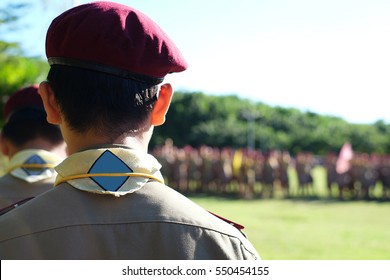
<point>27,97</point>
<point>115,39</point>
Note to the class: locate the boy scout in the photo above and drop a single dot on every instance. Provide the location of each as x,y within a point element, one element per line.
<point>105,89</point>
<point>33,146</point>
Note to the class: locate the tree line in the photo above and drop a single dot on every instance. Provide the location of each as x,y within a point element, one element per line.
<point>195,119</point>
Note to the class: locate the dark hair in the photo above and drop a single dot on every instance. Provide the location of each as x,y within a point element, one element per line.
<point>28,124</point>
<point>107,104</point>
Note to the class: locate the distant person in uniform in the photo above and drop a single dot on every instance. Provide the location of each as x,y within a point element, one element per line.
<point>105,89</point>
<point>34,147</point>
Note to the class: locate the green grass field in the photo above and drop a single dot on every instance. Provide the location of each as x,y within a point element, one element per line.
<point>310,230</point>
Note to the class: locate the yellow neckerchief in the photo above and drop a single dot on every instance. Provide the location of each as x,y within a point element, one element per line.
<point>19,165</point>
<point>78,170</point>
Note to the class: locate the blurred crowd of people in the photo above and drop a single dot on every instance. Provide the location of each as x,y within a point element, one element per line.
<point>252,173</point>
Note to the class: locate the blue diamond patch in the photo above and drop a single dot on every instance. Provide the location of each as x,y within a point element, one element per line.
<point>109,163</point>
<point>35,159</point>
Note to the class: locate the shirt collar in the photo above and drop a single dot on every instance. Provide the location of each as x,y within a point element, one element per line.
<point>118,170</point>
<point>33,165</point>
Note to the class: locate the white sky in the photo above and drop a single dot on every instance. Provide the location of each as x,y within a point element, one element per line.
<point>331,57</point>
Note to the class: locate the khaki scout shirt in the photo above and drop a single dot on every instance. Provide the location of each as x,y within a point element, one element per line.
<point>143,220</point>
<point>29,173</point>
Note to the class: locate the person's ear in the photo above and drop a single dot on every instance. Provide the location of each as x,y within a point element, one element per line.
<point>4,145</point>
<point>162,105</point>
<point>50,103</point>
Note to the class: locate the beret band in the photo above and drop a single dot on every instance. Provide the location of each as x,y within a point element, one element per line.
<point>104,69</point>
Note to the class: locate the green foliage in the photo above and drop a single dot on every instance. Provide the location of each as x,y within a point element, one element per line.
<point>18,71</point>
<point>198,119</point>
